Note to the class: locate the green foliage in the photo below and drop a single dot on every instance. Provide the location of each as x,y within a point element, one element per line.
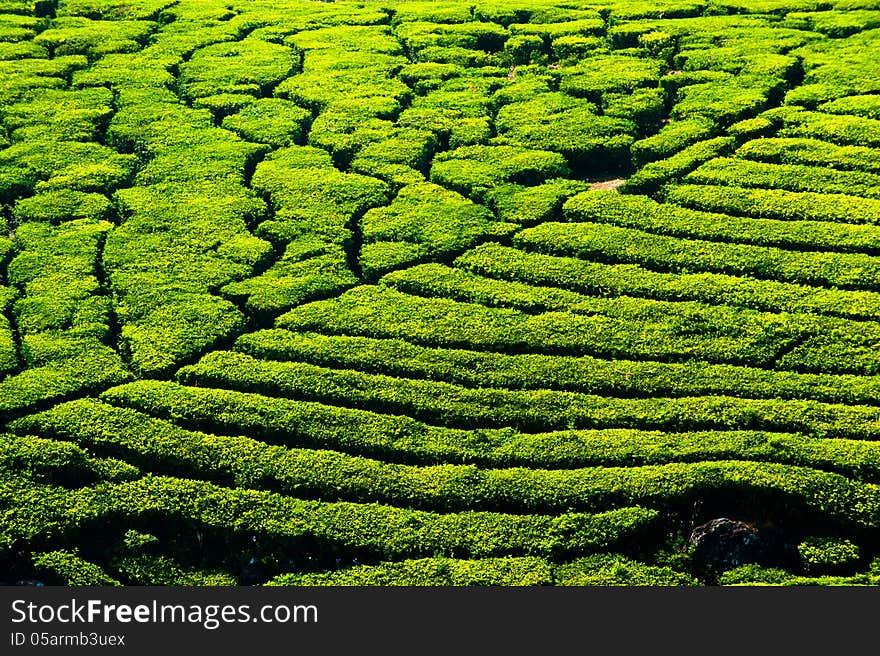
<point>592,77</point>
<point>62,205</point>
<point>654,175</point>
<point>613,569</point>
<point>249,66</point>
<point>755,575</point>
<point>424,221</point>
<point>556,122</point>
<point>534,371</point>
<point>376,312</point>
<point>474,170</point>
<point>823,555</point>
<point>864,106</point>
<point>776,203</point>
<point>645,214</point>
<point>176,178</point>
<point>271,121</point>
<point>530,205</point>
<point>75,35</point>
<point>671,138</point>
<point>309,269</point>
<point>370,530</point>
<point>66,568</point>
<point>659,252</point>
<point>431,572</point>
<point>161,570</point>
<point>812,152</point>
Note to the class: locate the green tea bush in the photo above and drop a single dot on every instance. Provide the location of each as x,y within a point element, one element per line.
<point>625,245</point>
<point>613,569</point>
<point>653,175</point>
<point>66,568</point>
<point>672,138</point>
<point>271,121</point>
<point>592,77</point>
<point>790,177</point>
<point>559,123</point>
<point>530,205</point>
<point>775,203</point>
<point>308,269</point>
<point>293,523</point>
<point>247,66</point>
<point>867,106</point>
<point>473,170</point>
<point>607,279</point>
<point>431,572</point>
<point>62,205</point>
<point>446,323</point>
<point>429,221</point>
<point>812,152</point>
<point>645,214</point>
<point>75,35</point>
<point>534,371</point>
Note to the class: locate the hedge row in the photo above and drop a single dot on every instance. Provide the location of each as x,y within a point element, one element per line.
<point>56,115</point>
<point>755,575</point>
<point>867,106</point>
<point>54,269</point>
<point>775,203</point>
<point>475,170</point>
<point>425,221</point>
<point>381,312</point>
<point>61,205</point>
<point>670,139</point>
<point>318,201</point>
<point>308,269</point>
<point>570,126</point>
<point>531,410</point>
<point>161,570</point>
<point>837,351</point>
<point>313,210</point>
<point>452,487</point>
<point>275,122</point>
<point>67,568</point>
<point>431,572</point>
<point>645,214</point>
<point>402,439</point>
<point>715,323</point>
<point>185,231</point>
<point>8,346</point>
<point>397,357</point>
<point>157,445</point>
<point>250,66</point>
<point>812,152</point>
<point>47,166</point>
<point>653,175</point>
<point>22,75</point>
<point>599,569</point>
<point>613,244</point>
<point>38,514</point>
<point>791,177</point>
<point>77,35</point>
<point>62,463</point>
<point>530,205</point>
<point>88,368</point>
<point>836,128</point>
<point>602,279</point>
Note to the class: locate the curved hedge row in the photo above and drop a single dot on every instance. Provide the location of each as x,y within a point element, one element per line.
<point>398,357</point>
<point>37,513</point>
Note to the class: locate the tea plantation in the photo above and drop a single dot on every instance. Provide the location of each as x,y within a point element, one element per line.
<point>498,292</point>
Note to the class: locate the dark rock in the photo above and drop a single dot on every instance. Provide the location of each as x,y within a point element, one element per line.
<point>721,544</point>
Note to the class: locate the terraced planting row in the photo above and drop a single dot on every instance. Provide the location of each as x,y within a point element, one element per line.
<point>419,293</point>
